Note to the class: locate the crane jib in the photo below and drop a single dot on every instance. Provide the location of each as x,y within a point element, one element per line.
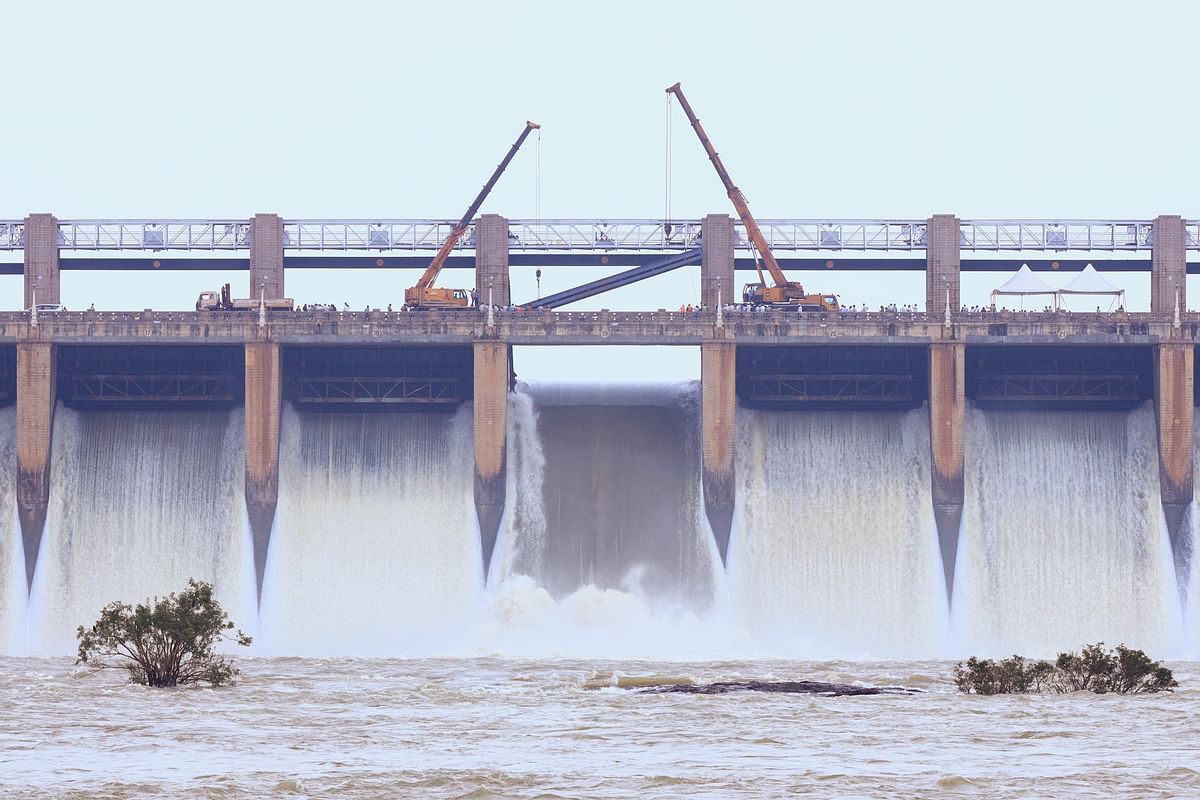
<point>735,195</point>
<point>439,260</point>
<point>487,187</point>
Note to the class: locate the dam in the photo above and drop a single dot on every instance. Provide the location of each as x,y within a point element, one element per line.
<point>875,482</point>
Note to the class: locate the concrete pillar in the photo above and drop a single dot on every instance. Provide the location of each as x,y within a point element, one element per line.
<point>491,259</point>
<point>942,239</point>
<point>717,237</point>
<point>1168,265</point>
<point>1175,411</point>
<point>947,425</point>
<point>718,424</point>
<point>41,259</point>
<point>493,373</point>
<point>35,424</point>
<point>266,256</point>
<point>263,391</point>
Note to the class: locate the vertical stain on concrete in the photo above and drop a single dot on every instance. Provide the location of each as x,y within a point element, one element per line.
<point>492,380</point>
<point>947,421</point>
<point>263,386</point>
<point>718,409</point>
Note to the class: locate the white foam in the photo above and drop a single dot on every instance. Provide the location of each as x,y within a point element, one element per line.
<point>1064,541</point>
<point>375,549</point>
<point>139,503</point>
<point>834,548</point>
<point>13,592</point>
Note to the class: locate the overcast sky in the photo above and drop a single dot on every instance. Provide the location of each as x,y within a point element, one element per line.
<point>820,110</point>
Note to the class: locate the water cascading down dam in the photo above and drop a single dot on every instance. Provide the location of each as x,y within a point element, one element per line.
<point>866,483</point>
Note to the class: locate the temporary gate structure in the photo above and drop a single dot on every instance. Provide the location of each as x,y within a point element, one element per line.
<point>1024,284</point>
<point>1090,282</point>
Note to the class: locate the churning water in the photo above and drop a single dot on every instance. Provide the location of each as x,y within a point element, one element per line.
<point>486,728</point>
<point>1064,540</point>
<point>138,504</point>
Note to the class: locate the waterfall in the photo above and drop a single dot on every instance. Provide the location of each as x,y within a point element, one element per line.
<point>139,503</point>
<point>612,500</point>
<point>375,549</point>
<point>604,550</point>
<point>1191,590</point>
<point>1064,542</point>
<point>521,540</point>
<point>834,548</point>
<point>12,554</point>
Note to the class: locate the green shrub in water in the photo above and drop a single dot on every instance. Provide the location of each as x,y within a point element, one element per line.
<point>165,642</point>
<point>1095,669</point>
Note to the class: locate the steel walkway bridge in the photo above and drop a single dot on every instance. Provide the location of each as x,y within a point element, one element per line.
<point>641,247</point>
<point>599,235</point>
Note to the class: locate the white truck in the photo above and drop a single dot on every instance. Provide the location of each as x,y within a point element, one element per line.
<point>223,301</point>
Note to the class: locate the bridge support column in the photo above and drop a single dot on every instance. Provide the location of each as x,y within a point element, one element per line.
<point>718,423</point>
<point>263,405</point>
<point>1168,265</point>
<point>266,256</point>
<point>947,426</point>
<point>491,259</point>
<point>942,263</point>
<point>717,238</point>
<point>1175,410</point>
<point>35,424</point>
<point>493,376</point>
<point>41,260</point>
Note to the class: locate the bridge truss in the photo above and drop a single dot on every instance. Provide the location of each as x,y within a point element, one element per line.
<point>600,235</point>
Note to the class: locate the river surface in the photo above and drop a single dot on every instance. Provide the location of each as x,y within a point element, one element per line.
<point>501,727</point>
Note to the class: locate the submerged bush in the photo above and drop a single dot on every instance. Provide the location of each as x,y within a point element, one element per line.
<point>1010,676</point>
<point>166,642</point>
<point>1095,669</point>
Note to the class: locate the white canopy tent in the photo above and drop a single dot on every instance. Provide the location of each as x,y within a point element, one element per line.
<point>1025,284</point>
<point>1092,284</point>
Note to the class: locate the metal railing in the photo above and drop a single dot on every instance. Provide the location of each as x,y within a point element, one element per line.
<point>832,235</point>
<point>1077,235</point>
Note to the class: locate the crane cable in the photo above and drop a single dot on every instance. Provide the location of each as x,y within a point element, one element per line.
<point>537,180</point>
<point>667,173</point>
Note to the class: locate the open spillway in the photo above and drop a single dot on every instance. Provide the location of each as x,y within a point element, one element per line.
<point>139,503</point>
<point>375,548</point>
<point>605,493</point>
<point>1064,540</point>
<point>604,548</point>
<point>12,559</point>
<point>834,548</point>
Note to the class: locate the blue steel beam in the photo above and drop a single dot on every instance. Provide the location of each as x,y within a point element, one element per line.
<point>586,260</point>
<point>656,267</point>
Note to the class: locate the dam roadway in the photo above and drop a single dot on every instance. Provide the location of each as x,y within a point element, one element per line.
<point>336,361</point>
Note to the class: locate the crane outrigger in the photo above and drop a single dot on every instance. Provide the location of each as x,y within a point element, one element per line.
<point>425,295</point>
<point>784,294</point>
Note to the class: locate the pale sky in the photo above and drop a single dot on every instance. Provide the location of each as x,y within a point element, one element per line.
<point>393,110</point>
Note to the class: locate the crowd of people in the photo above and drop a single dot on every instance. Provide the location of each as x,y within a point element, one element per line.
<point>729,308</point>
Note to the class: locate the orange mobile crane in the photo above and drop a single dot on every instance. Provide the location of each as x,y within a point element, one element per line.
<point>784,294</point>
<point>425,295</point>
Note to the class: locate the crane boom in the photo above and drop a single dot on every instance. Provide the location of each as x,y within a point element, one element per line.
<point>735,194</point>
<point>439,260</point>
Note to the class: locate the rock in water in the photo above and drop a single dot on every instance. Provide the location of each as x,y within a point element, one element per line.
<point>778,687</point>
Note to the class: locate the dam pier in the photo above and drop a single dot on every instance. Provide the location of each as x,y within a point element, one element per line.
<point>944,357</point>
